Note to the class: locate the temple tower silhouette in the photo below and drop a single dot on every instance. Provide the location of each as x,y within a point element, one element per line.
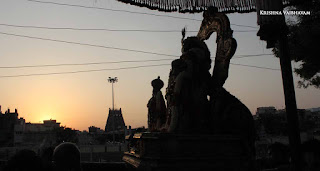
<point>115,124</point>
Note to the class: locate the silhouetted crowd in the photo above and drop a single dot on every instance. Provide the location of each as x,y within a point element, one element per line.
<point>65,157</point>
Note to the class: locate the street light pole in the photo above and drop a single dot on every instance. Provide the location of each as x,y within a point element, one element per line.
<point>113,80</point>
<point>112,98</point>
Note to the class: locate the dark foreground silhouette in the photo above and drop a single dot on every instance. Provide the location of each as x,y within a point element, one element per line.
<point>24,160</point>
<point>64,157</point>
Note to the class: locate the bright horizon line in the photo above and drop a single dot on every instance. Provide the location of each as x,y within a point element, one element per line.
<point>65,126</point>
<point>60,122</point>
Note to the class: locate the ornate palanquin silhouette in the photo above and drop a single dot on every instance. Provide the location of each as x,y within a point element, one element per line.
<point>192,129</point>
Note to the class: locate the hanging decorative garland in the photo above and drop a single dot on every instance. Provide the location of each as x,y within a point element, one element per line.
<point>193,6</point>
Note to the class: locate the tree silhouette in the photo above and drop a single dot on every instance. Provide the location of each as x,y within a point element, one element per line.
<point>303,42</point>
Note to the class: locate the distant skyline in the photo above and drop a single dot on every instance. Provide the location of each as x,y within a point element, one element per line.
<point>80,100</point>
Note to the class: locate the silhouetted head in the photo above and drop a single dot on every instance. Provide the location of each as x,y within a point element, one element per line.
<point>157,84</point>
<point>24,160</point>
<point>194,42</point>
<point>197,51</point>
<point>66,157</point>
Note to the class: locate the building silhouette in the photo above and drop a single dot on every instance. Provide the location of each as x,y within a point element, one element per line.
<point>7,124</point>
<point>94,130</point>
<point>16,132</point>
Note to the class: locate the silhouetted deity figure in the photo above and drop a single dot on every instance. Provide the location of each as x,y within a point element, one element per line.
<point>156,107</point>
<point>188,88</point>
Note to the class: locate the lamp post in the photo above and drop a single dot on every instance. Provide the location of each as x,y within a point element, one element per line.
<point>113,80</point>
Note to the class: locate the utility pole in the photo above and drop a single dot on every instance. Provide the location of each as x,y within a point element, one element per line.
<point>113,80</point>
<point>290,101</point>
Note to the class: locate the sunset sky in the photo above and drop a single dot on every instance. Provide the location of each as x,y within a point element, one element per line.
<point>80,100</point>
